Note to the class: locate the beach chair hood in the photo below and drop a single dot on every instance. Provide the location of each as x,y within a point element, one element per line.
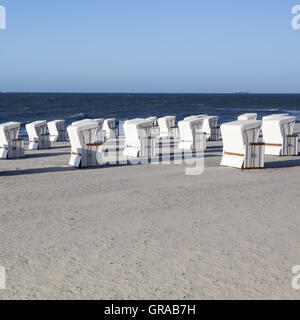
<point>35,129</point>
<point>237,139</point>
<point>188,127</point>
<point>247,116</point>
<point>275,128</point>
<point>165,124</point>
<point>8,131</point>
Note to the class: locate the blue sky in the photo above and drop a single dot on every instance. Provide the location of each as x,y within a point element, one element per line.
<point>149,46</point>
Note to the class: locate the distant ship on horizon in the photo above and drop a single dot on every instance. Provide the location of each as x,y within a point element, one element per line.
<point>241,92</point>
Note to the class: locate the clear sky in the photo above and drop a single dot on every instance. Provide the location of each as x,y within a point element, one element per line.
<point>149,46</point>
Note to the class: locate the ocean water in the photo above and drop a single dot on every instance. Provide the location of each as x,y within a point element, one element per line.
<point>27,107</point>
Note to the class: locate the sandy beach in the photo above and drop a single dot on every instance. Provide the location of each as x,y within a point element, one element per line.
<point>148,231</point>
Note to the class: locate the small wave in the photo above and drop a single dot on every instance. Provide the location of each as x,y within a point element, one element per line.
<point>257,109</point>
<point>249,109</point>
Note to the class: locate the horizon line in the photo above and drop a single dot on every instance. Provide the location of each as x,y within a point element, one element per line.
<point>115,92</point>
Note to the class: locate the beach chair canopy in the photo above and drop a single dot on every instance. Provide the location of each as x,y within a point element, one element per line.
<point>238,134</point>
<point>153,119</point>
<point>79,122</point>
<point>189,127</point>
<point>109,126</point>
<point>195,116</point>
<point>109,123</point>
<point>135,129</point>
<point>8,132</point>
<point>274,116</point>
<point>36,129</point>
<point>100,122</point>
<point>55,126</point>
<point>209,123</point>
<point>275,129</point>
<point>247,116</point>
<point>82,134</point>
<point>165,123</point>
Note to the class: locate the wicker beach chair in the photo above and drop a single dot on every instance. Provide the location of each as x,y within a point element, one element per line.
<point>39,137</point>
<point>85,145</point>
<point>241,146</point>
<point>279,137</point>
<point>139,138</point>
<point>11,147</point>
<point>192,136</point>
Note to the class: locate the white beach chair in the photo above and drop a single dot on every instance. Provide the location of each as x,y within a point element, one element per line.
<point>274,116</point>
<point>278,136</point>
<point>110,128</point>
<point>241,148</point>
<point>191,132</point>
<point>85,147</point>
<point>210,127</point>
<point>101,133</point>
<point>57,131</point>
<point>38,136</point>
<point>247,116</point>
<point>139,141</point>
<point>167,128</point>
<point>11,146</point>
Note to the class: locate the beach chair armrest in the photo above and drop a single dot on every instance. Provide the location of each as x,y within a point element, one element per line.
<point>98,144</point>
<point>257,144</point>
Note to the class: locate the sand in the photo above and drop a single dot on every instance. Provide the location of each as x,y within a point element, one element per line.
<point>148,231</point>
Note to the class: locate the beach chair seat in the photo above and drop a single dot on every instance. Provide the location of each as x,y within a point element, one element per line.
<point>39,137</point>
<point>139,138</point>
<point>241,146</point>
<point>11,147</point>
<point>57,131</point>
<point>85,147</point>
<point>192,136</point>
<point>278,136</point>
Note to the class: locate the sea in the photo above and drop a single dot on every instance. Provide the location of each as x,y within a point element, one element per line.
<point>27,107</point>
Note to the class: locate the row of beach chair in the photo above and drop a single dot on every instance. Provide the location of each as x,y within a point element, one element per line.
<point>245,141</point>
